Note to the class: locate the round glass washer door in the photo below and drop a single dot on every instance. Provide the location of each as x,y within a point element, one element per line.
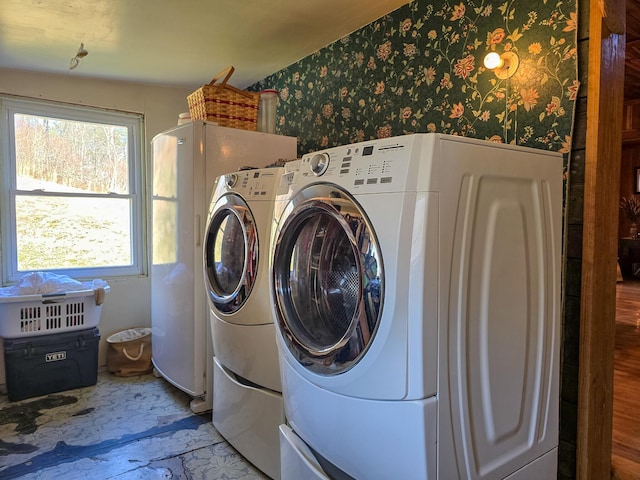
<point>327,279</point>
<point>230,254</point>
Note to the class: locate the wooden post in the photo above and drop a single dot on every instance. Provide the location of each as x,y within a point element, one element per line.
<point>600,235</point>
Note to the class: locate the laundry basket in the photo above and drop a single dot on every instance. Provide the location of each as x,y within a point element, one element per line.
<point>129,352</point>
<point>40,314</point>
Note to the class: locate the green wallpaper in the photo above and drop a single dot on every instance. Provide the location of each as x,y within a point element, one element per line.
<point>420,69</point>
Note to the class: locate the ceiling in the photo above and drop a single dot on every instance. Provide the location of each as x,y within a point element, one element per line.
<point>170,42</point>
<point>185,43</point>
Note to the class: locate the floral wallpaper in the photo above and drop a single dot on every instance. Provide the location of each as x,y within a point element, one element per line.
<point>420,69</point>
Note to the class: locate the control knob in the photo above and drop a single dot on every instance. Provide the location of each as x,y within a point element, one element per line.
<point>319,163</point>
<point>231,180</point>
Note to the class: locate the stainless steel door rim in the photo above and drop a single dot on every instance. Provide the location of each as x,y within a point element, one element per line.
<point>327,278</point>
<point>230,253</point>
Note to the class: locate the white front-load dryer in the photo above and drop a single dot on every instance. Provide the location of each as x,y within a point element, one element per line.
<point>416,292</point>
<point>247,399</point>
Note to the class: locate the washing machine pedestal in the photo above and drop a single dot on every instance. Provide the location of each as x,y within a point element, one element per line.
<point>248,418</point>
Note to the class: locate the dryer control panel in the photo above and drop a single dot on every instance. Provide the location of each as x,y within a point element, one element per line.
<point>253,184</point>
<point>380,165</point>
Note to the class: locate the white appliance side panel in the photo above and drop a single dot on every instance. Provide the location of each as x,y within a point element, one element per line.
<point>422,338</point>
<point>177,339</point>
<point>504,318</point>
<point>248,351</point>
<point>248,418</point>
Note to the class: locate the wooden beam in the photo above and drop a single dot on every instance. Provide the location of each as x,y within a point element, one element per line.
<point>599,250</point>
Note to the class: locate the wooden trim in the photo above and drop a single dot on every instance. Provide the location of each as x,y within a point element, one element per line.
<point>631,119</point>
<point>631,136</point>
<point>598,294</point>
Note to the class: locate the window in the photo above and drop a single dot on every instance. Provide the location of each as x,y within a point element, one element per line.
<point>71,192</point>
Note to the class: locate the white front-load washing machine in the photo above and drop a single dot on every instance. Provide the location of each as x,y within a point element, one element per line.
<point>247,399</point>
<point>416,290</point>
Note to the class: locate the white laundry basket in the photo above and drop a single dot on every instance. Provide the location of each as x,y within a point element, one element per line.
<point>129,352</point>
<point>42,314</point>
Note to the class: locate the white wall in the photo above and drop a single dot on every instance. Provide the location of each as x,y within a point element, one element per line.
<point>129,302</point>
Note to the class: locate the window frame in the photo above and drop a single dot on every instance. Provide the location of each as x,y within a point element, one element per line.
<point>134,122</point>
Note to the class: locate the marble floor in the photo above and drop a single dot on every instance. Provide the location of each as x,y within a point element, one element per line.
<point>135,428</point>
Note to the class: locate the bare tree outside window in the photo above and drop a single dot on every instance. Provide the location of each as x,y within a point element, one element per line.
<point>73,193</point>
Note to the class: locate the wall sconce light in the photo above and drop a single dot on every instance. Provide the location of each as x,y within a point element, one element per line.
<point>504,66</point>
<point>80,54</point>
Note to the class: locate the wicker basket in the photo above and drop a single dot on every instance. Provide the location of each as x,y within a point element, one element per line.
<point>226,105</point>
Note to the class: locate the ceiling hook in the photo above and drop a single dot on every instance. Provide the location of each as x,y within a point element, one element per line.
<point>81,53</point>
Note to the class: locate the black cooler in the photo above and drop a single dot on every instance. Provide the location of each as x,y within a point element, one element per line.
<point>51,363</point>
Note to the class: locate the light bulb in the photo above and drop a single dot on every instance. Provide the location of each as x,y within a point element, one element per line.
<point>503,66</point>
<point>492,60</point>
